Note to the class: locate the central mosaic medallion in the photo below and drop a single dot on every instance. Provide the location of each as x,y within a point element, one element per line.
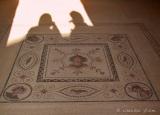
<point>76,63</point>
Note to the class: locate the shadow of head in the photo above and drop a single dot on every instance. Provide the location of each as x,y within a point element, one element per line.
<point>46,20</point>
<point>77,19</point>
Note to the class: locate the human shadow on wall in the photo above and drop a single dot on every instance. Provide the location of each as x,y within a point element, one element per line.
<point>79,25</point>
<point>46,26</point>
<point>45,29</point>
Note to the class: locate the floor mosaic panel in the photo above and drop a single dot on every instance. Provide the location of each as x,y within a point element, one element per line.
<point>88,67</point>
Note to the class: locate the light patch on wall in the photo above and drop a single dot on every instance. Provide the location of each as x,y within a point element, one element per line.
<point>29,12</point>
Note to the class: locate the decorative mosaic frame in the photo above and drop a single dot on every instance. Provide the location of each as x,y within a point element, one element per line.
<point>89,92</point>
<point>106,52</point>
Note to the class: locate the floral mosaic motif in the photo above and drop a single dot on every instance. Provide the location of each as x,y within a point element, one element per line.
<point>138,91</point>
<point>44,91</point>
<point>17,92</point>
<point>78,60</point>
<point>125,60</point>
<point>77,63</point>
<point>113,91</point>
<point>23,76</point>
<point>78,91</point>
<point>28,60</point>
<point>34,39</point>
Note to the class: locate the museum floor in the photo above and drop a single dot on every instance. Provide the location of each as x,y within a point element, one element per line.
<point>109,63</point>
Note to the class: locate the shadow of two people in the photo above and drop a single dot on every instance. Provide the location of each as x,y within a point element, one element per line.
<point>48,26</point>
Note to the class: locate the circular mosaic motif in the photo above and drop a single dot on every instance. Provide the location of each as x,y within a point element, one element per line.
<point>125,60</point>
<point>77,61</point>
<point>138,90</point>
<point>28,60</point>
<point>34,39</point>
<point>17,92</point>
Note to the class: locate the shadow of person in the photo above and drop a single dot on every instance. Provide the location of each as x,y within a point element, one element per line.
<point>79,26</point>
<point>77,19</point>
<point>78,23</point>
<point>46,26</point>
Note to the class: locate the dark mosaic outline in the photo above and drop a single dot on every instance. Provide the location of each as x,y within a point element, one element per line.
<point>32,65</point>
<point>95,91</point>
<point>138,83</point>
<point>107,55</point>
<point>19,99</point>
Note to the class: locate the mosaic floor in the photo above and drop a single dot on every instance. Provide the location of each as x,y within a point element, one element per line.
<point>88,67</point>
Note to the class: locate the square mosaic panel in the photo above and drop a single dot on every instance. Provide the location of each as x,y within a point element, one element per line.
<point>86,68</point>
<point>76,63</point>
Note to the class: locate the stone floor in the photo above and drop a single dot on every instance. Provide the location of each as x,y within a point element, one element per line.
<point>128,31</point>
